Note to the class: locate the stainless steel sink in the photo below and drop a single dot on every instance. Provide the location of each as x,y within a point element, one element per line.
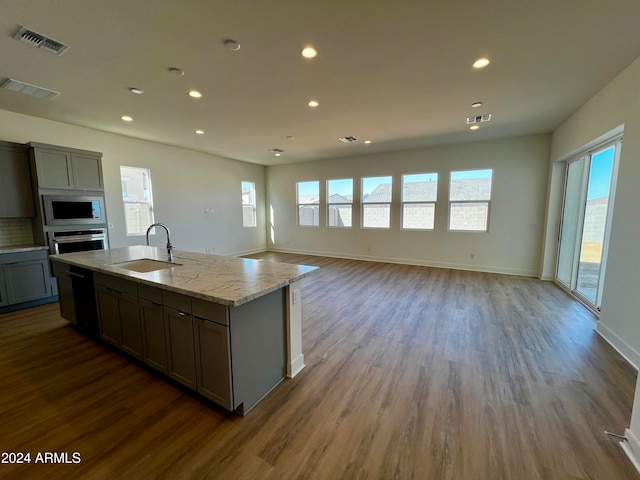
<point>145,265</point>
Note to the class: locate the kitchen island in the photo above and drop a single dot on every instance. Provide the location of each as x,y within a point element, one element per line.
<point>229,328</point>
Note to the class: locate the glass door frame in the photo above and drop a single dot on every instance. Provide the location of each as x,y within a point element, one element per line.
<point>586,156</point>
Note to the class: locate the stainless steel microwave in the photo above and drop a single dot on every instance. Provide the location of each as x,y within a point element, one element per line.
<point>73,210</point>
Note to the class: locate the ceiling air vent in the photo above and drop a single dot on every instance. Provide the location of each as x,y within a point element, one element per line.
<point>28,89</point>
<point>478,119</point>
<point>38,40</point>
<point>347,139</point>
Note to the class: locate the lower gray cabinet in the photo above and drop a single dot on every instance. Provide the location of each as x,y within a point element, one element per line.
<point>153,335</point>
<point>66,296</point>
<point>27,281</point>
<point>213,362</point>
<point>119,315</point>
<point>180,346</point>
<point>3,290</point>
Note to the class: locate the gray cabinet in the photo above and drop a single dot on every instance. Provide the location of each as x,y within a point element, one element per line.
<point>67,169</point>
<point>25,277</point>
<point>180,348</point>
<point>3,290</point>
<point>154,339</point>
<point>27,281</point>
<point>66,297</point>
<point>213,362</point>
<point>16,199</point>
<point>119,313</point>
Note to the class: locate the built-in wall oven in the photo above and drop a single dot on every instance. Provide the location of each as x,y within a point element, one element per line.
<point>68,241</point>
<point>73,210</point>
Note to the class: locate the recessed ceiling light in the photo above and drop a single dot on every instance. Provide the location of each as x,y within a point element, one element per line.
<point>277,154</point>
<point>200,132</point>
<point>367,141</point>
<point>176,71</point>
<point>476,104</point>
<point>313,103</point>
<point>309,52</point>
<point>474,127</point>
<point>126,118</point>
<point>195,94</point>
<point>137,91</point>
<point>481,63</point>
<point>231,44</point>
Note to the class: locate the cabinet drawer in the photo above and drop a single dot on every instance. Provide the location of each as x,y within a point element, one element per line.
<point>214,312</point>
<point>115,283</point>
<point>176,301</point>
<point>23,256</point>
<point>152,294</point>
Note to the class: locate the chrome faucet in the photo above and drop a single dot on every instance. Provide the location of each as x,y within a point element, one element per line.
<point>169,246</point>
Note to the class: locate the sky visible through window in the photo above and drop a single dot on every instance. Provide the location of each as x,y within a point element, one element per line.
<point>342,187</point>
<point>600,174</point>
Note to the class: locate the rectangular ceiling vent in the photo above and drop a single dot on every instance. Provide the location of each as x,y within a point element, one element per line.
<point>347,139</point>
<point>478,119</point>
<point>28,89</point>
<point>38,40</point>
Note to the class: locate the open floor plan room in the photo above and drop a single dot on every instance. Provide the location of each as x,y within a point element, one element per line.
<point>411,372</point>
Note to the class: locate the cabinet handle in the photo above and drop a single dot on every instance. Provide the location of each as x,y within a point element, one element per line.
<point>182,314</point>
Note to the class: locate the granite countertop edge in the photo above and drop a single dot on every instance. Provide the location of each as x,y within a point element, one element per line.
<point>22,248</point>
<point>143,278</point>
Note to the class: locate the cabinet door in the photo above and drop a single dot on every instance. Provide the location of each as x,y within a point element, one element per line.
<point>153,335</point>
<point>213,365</point>
<point>108,315</point>
<point>130,325</point>
<point>87,172</point>
<point>54,168</point>
<point>27,281</point>
<point>3,290</point>
<point>65,297</point>
<point>16,199</point>
<point>180,348</point>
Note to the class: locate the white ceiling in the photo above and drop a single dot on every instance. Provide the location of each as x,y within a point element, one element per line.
<point>397,73</point>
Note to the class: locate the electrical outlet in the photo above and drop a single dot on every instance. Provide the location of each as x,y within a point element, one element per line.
<point>472,256</point>
<point>296,296</point>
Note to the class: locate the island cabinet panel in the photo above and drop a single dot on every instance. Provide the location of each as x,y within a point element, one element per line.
<point>154,339</point>
<point>213,361</point>
<point>119,313</point>
<point>66,296</point>
<point>3,290</point>
<point>108,315</point>
<point>178,322</point>
<point>258,346</point>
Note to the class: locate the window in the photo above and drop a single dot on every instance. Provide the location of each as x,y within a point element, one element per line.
<point>469,199</point>
<point>249,204</point>
<point>419,194</point>
<point>376,202</point>
<point>340,202</point>
<point>308,201</point>
<point>137,199</point>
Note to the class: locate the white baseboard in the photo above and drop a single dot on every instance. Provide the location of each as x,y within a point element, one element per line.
<point>410,261</point>
<point>297,364</point>
<point>246,252</point>
<point>632,448</point>
<point>622,347</point>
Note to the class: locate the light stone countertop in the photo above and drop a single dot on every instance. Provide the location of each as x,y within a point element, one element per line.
<point>230,281</point>
<point>22,248</point>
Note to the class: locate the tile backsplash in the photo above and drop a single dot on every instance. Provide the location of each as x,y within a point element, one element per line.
<point>15,231</point>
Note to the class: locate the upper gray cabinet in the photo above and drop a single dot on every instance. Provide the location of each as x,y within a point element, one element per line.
<point>68,169</point>
<point>16,199</point>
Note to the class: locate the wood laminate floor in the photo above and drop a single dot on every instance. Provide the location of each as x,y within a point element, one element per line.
<point>411,373</point>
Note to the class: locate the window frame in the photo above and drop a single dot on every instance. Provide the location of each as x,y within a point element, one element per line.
<point>298,204</point>
<point>253,205</point>
<point>125,189</point>
<point>364,203</point>
<point>338,204</point>
<point>476,201</point>
<point>404,202</point>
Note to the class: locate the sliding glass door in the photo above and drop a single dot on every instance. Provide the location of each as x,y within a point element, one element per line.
<point>586,215</point>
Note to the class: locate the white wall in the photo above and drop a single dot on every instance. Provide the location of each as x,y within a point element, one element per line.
<point>185,183</point>
<point>512,244</point>
<point>617,104</point>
